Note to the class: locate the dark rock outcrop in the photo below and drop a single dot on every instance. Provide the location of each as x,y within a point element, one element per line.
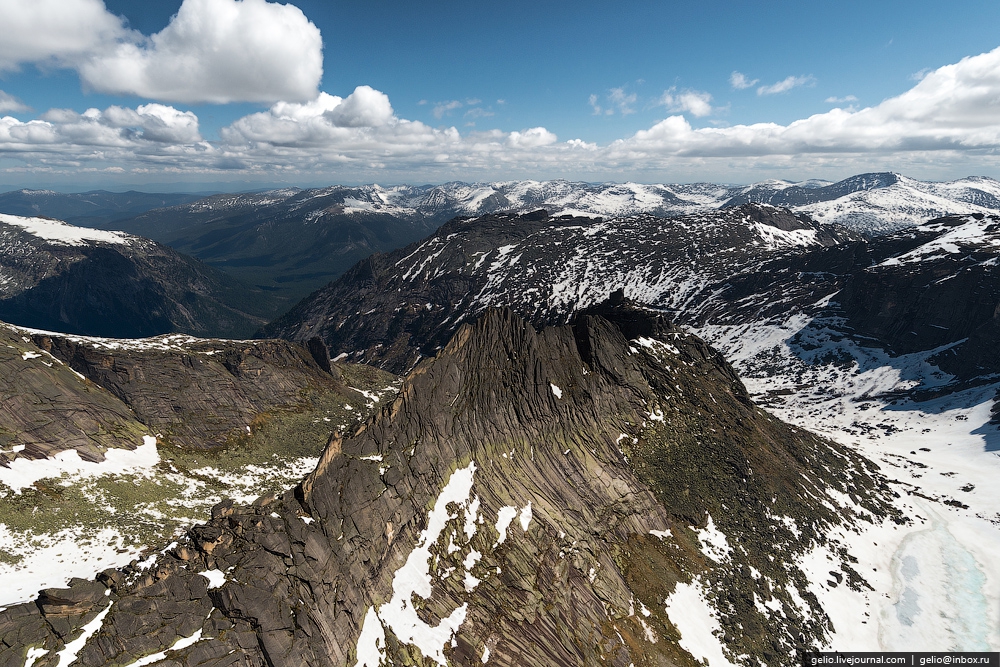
<point>502,507</point>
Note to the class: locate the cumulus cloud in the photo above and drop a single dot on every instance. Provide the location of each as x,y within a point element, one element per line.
<point>954,107</point>
<point>841,100</point>
<point>951,116</point>
<point>786,84</point>
<point>150,128</point>
<point>56,32</point>
<point>10,103</point>
<point>533,138</point>
<point>739,81</point>
<point>217,51</point>
<point>695,102</point>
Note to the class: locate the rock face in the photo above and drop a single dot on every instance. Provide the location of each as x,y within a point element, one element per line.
<point>65,392</point>
<point>48,408</point>
<point>58,277</point>
<point>939,286</point>
<point>529,498</point>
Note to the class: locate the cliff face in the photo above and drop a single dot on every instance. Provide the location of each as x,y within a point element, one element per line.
<point>529,498</point>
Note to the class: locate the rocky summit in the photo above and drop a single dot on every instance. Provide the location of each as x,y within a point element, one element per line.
<point>598,493</point>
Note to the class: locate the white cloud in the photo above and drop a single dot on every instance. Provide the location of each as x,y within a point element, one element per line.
<point>10,103</point>
<point>841,100</point>
<point>211,51</point>
<point>149,129</point>
<point>622,100</point>
<point>442,109</point>
<point>951,117</point>
<point>598,109</point>
<point>617,98</point>
<point>55,32</point>
<point>740,81</point>
<point>217,51</point>
<point>533,138</point>
<point>695,102</point>
<point>786,84</point>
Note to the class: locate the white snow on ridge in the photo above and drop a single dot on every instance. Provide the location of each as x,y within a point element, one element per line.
<point>61,233</point>
<point>775,238</point>
<point>692,615</point>
<point>22,473</point>
<point>65,555</point>
<point>951,241</point>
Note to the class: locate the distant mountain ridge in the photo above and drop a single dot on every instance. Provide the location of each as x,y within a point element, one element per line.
<point>292,241</point>
<point>87,208</point>
<point>872,203</point>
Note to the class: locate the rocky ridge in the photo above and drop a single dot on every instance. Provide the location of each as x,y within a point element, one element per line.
<point>930,286</point>
<point>290,241</point>
<point>88,394</point>
<point>732,265</point>
<point>530,497</point>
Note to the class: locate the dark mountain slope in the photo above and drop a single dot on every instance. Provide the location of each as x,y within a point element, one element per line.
<point>288,241</point>
<point>64,392</point>
<point>88,209</point>
<point>530,498</point>
<point>63,278</point>
<point>932,285</point>
<point>388,309</point>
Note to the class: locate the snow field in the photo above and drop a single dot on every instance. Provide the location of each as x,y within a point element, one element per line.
<point>936,580</point>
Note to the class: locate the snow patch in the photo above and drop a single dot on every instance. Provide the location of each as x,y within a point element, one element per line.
<point>713,541</point>
<point>525,517</point>
<point>413,578</point>
<point>60,233</point>
<point>216,578</point>
<point>689,611</point>
<point>504,518</point>
<point>181,643</point>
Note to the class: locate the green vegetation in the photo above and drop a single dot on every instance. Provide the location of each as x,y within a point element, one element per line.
<point>151,507</point>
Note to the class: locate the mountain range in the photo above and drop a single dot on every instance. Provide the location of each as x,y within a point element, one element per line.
<point>720,436</point>
<point>292,241</point>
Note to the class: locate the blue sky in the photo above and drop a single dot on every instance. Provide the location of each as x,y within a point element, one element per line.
<point>480,91</point>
